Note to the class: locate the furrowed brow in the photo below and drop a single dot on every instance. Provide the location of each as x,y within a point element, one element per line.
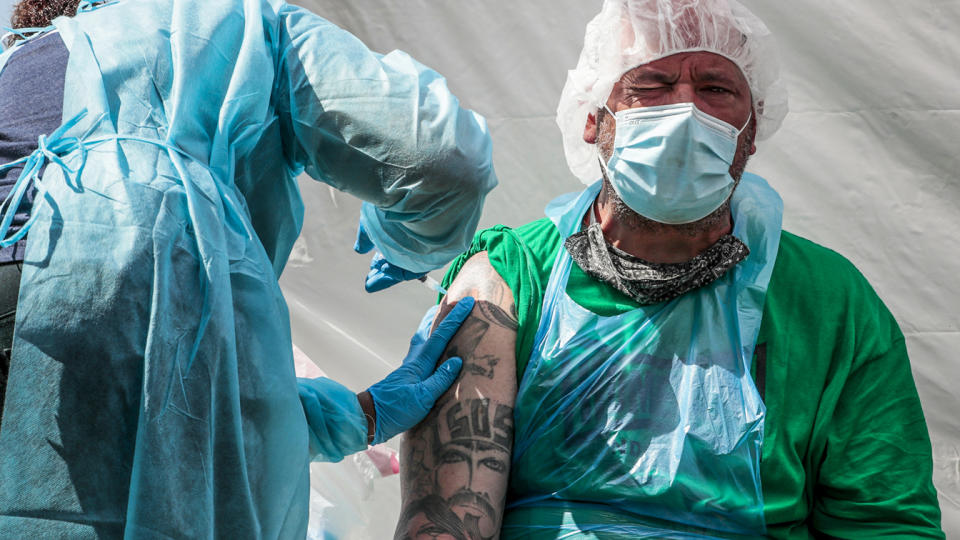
<point>715,76</point>
<point>648,76</point>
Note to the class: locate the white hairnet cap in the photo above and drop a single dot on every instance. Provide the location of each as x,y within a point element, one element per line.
<point>631,33</point>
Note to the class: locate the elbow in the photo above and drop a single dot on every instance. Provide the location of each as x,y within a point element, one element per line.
<point>475,154</point>
<point>460,156</point>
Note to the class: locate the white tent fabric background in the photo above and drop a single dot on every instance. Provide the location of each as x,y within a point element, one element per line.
<point>6,9</point>
<point>868,163</point>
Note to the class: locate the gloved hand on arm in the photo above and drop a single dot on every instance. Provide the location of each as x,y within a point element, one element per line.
<point>341,422</point>
<point>382,273</point>
<point>405,397</point>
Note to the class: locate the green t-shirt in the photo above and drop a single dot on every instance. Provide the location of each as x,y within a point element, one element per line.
<point>846,451</point>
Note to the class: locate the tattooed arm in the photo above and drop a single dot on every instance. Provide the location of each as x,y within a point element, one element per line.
<point>455,463</point>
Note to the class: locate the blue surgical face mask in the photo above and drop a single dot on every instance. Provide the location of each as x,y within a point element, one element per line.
<point>671,163</point>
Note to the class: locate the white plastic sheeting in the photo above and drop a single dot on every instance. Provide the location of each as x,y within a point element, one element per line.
<point>867,161</point>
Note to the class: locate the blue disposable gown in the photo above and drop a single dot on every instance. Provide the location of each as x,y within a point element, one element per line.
<point>152,390</point>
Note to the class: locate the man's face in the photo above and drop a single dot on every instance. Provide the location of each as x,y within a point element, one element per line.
<point>464,465</point>
<point>711,82</point>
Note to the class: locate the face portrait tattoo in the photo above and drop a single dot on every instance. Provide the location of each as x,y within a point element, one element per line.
<point>430,519</point>
<point>463,466</point>
<point>471,447</point>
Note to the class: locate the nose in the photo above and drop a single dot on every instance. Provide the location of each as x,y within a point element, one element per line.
<point>684,93</point>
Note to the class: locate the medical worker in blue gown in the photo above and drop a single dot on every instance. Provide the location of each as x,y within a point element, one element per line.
<point>151,389</point>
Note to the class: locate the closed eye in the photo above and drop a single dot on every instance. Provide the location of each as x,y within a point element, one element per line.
<point>646,89</point>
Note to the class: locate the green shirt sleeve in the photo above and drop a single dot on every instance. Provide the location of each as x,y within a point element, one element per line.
<point>875,477</point>
<point>846,449</point>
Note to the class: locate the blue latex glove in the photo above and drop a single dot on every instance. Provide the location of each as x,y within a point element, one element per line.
<point>382,273</point>
<point>405,396</point>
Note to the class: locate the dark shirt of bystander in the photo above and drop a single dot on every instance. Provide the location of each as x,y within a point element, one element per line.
<point>31,104</point>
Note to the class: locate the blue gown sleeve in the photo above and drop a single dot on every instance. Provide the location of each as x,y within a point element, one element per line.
<point>337,425</point>
<point>386,129</point>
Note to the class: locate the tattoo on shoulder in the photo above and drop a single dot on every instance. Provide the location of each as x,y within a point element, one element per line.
<point>497,315</point>
<point>473,331</point>
<point>482,366</point>
<point>484,282</point>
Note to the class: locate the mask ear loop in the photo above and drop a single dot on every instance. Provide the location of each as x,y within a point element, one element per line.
<point>604,170</point>
<point>611,113</point>
<point>745,126</point>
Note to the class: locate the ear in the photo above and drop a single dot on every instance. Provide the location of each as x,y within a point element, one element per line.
<point>590,129</point>
<point>753,126</point>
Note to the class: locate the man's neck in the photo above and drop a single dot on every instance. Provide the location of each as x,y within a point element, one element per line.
<point>656,242</point>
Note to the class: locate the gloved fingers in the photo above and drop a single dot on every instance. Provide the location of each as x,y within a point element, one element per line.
<point>378,277</point>
<point>363,243</point>
<point>430,352</point>
<point>452,322</point>
<point>435,385</point>
<point>378,280</point>
<point>378,263</point>
<point>383,274</point>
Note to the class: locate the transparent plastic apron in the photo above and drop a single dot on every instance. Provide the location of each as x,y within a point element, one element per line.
<point>646,424</point>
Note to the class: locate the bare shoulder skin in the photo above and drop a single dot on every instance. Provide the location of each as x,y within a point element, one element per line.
<point>455,464</point>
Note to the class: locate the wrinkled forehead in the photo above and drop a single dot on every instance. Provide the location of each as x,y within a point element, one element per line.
<point>655,29</point>
<point>702,63</point>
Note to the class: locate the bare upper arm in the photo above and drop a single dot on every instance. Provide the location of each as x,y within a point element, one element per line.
<point>455,464</point>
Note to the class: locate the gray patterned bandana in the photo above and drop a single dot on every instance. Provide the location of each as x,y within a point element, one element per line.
<point>651,283</point>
